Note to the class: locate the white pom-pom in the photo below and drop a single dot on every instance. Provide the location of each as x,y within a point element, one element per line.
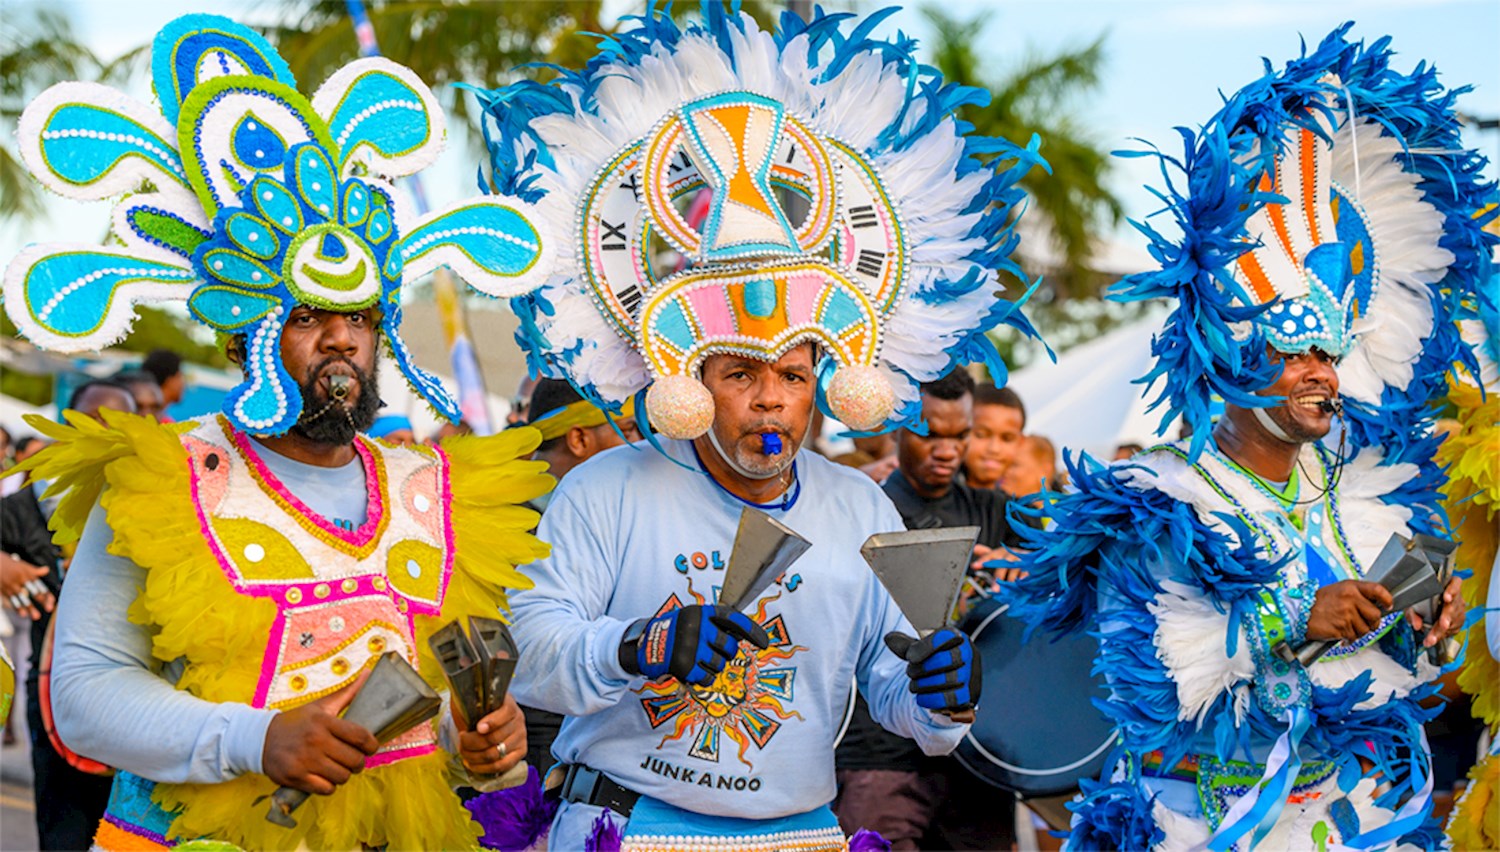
<point>860,397</point>
<point>680,407</point>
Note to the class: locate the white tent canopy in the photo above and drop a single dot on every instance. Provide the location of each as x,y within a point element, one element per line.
<point>1088,399</point>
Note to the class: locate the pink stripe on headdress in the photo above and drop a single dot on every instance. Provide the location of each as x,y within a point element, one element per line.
<point>711,308</point>
<point>802,291</point>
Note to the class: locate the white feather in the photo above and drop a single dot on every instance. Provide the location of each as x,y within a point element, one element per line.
<point>1404,234</point>
<point>1190,641</point>
<point>1369,521</point>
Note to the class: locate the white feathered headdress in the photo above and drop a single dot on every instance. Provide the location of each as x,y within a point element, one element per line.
<point>720,188</point>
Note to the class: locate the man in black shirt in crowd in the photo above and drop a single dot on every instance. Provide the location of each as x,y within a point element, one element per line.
<point>886,784</point>
<point>69,803</point>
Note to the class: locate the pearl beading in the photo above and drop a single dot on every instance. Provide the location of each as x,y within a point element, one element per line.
<point>416,247</point>
<point>756,347</point>
<point>893,286</point>
<point>165,213</point>
<point>124,271</point>
<point>803,840</point>
<point>168,158</point>
<point>653,187</point>
<point>213,191</point>
<point>1372,248</point>
<point>377,107</point>
<point>264,346</point>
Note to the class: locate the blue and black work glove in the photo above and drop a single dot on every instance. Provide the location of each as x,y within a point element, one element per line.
<point>691,644</point>
<point>944,669</point>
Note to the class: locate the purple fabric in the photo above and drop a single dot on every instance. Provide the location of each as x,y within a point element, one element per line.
<point>513,819</point>
<point>606,836</point>
<point>865,840</point>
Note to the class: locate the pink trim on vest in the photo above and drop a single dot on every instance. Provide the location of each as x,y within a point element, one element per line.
<point>356,538</point>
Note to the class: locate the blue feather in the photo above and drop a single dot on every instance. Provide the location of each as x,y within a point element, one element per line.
<point>1113,816</point>
<point>1197,357</point>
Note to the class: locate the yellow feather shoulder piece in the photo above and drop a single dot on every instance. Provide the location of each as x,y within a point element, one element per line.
<point>489,478</point>
<point>1475,823</point>
<point>74,463</point>
<point>1472,498</point>
<point>1473,452</point>
<point>414,808</point>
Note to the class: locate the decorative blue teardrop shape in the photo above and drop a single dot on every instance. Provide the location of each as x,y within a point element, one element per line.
<point>276,205</point>
<point>356,204</point>
<point>252,235</point>
<point>257,145</point>
<point>316,180</point>
<point>227,308</point>
<point>229,266</point>
<point>379,227</point>
<point>333,247</point>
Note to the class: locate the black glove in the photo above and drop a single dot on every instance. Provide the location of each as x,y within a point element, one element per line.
<point>944,668</point>
<point>691,643</point>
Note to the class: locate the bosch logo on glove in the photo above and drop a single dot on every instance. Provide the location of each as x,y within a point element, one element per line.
<point>654,649</point>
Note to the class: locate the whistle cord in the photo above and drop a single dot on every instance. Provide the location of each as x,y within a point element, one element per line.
<point>788,498</point>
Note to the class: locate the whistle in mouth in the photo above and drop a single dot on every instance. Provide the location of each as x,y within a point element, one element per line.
<point>338,386</point>
<point>770,444</point>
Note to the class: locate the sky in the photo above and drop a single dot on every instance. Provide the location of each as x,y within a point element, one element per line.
<point>1166,63</point>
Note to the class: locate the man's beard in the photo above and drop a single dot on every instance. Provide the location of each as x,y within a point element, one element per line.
<point>750,461</point>
<point>1298,431</point>
<point>328,421</point>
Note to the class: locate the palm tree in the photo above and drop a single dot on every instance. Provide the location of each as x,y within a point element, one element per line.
<point>478,43</point>
<point>1035,97</point>
<point>37,49</point>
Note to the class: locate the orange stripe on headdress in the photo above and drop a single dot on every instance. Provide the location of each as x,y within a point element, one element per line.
<point>1309,174</point>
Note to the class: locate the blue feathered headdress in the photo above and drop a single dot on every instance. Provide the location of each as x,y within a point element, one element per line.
<point>1326,205</point>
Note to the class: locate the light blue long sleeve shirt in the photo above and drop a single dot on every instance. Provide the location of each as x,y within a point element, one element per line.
<point>1492,618</point>
<point>113,702</point>
<point>634,533</point>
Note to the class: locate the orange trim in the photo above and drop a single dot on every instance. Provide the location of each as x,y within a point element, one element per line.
<point>1277,214</point>
<point>116,839</point>
<point>1310,200</point>
<point>1260,284</point>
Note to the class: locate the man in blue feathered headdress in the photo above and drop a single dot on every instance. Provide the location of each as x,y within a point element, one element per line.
<point>1326,240</point>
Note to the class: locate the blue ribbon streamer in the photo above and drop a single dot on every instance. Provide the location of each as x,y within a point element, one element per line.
<point>1412,814</point>
<point>1261,806</point>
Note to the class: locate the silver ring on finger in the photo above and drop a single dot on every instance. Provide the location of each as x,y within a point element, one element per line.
<point>500,751</point>
<point>36,587</point>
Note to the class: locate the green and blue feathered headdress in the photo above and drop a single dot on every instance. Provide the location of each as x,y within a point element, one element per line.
<point>245,198</point>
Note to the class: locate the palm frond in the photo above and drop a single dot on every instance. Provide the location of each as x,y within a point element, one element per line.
<point>37,49</point>
<point>1038,95</point>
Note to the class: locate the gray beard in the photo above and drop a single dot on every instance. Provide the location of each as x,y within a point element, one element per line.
<point>741,469</point>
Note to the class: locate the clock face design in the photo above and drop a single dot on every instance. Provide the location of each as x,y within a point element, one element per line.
<point>728,182</point>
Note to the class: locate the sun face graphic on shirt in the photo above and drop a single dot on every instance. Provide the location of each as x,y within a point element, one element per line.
<point>746,702</point>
